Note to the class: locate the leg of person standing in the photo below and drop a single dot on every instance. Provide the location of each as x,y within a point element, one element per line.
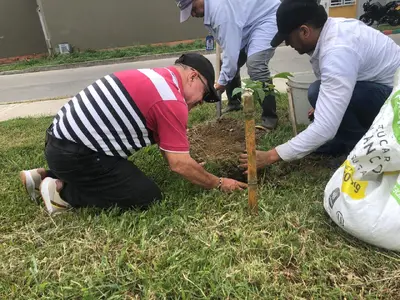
<point>364,106</point>
<point>234,102</point>
<point>258,69</point>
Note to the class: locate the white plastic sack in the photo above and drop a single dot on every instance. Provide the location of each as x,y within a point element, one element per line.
<point>363,196</point>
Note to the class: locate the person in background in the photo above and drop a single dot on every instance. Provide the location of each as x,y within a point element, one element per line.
<point>244,29</point>
<point>90,139</point>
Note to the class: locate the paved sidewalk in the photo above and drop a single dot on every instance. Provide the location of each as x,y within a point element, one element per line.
<point>30,109</point>
<point>51,107</point>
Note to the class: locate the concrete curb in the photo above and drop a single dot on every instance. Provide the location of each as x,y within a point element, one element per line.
<point>104,62</point>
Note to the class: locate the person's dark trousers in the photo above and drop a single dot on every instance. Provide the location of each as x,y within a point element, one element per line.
<point>235,101</point>
<point>93,179</point>
<point>364,106</point>
<point>258,70</point>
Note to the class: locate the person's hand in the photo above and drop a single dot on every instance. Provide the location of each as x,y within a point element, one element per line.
<point>311,114</point>
<point>220,88</point>
<point>229,185</point>
<point>263,159</point>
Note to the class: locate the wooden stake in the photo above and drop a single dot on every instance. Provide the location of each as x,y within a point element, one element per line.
<point>248,109</point>
<point>292,115</point>
<point>217,71</point>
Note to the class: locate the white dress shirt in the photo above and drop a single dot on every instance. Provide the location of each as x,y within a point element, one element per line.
<point>347,51</point>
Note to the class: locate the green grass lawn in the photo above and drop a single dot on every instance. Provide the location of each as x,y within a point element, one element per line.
<point>195,244</point>
<point>92,55</point>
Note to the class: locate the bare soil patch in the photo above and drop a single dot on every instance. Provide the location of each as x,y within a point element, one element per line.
<point>220,141</point>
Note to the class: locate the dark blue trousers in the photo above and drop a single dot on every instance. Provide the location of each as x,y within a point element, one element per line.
<point>365,104</point>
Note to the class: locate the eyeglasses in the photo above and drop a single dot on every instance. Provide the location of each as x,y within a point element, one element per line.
<point>206,90</point>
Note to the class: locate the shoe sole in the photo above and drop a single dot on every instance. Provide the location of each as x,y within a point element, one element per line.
<point>44,192</point>
<point>52,208</point>
<point>29,185</point>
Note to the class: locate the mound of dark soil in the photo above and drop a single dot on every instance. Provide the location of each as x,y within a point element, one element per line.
<point>220,141</point>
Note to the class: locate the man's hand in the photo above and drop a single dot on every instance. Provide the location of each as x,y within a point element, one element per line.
<point>220,88</point>
<point>263,159</point>
<point>229,185</point>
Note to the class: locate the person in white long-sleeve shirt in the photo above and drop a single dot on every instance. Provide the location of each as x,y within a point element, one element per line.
<point>244,29</point>
<point>355,66</point>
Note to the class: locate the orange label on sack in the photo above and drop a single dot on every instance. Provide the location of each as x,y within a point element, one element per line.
<point>354,188</point>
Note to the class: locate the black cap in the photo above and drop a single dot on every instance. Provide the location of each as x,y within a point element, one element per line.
<point>291,14</point>
<point>202,65</point>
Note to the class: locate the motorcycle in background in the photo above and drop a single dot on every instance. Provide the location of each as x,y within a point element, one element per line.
<point>375,11</point>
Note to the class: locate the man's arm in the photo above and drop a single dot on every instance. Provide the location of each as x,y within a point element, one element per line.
<point>339,71</point>
<point>168,119</point>
<point>184,165</point>
<point>229,35</point>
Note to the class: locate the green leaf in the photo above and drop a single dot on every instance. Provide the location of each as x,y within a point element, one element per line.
<point>247,81</point>
<point>252,86</point>
<point>284,75</point>
<point>270,87</point>
<point>260,93</point>
<point>237,91</point>
<point>259,84</point>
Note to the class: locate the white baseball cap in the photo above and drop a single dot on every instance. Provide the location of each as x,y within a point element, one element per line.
<point>185,7</point>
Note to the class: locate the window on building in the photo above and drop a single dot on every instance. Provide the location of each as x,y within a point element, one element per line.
<point>342,2</point>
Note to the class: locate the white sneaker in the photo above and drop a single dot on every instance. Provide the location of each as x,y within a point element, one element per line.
<point>31,180</point>
<point>51,197</point>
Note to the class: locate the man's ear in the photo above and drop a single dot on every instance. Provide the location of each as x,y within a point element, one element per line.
<point>192,76</point>
<point>305,31</point>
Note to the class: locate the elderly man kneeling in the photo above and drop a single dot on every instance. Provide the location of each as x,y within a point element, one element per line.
<point>90,139</point>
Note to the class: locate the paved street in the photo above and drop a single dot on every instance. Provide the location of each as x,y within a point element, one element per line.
<point>64,83</point>
<point>60,83</point>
